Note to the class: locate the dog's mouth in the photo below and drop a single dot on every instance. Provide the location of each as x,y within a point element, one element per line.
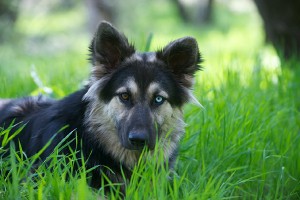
<point>138,145</point>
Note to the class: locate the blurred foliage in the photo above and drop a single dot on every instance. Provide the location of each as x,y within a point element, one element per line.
<point>8,15</point>
<point>53,37</point>
<point>282,30</point>
<point>243,145</point>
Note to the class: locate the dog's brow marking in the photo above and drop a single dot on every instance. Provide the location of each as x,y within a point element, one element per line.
<point>132,86</point>
<point>138,57</point>
<point>134,57</point>
<point>121,90</point>
<point>151,57</point>
<point>156,88</point>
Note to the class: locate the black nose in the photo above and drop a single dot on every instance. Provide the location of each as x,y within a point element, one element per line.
<point>138,139</point>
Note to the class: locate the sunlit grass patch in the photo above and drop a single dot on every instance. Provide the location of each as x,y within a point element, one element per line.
<point>244,144</point>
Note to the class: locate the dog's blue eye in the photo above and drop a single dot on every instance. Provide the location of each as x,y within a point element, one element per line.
<point>159,100</point>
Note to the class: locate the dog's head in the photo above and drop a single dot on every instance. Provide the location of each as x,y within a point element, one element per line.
<point>136,98</point>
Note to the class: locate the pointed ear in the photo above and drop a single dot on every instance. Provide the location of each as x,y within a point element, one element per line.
<point>182,58</point>
<point>108,49</point>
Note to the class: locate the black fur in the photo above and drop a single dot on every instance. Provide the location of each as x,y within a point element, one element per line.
<point>146,73</point>
<point>43,118</point>
<point>113,62</point>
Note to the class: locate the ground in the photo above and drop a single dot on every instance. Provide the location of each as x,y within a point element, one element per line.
<point>244,143</point>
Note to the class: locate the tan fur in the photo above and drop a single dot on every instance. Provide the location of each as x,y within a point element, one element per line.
<point>134,57</point>
<point>172,128</point>
<point>101,118</point>
<point>98,71</point>
<point>154,87</point>
<point>152,58</point>
<point>131,85</point>
<point>169,120</point>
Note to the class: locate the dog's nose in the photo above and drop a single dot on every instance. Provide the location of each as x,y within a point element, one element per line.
<point>138,139</point>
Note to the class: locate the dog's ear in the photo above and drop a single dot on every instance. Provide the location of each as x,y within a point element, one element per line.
<point>182,58</point>
<point>108,49</point>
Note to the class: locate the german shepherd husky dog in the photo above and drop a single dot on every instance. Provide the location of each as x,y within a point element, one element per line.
<point>132,100</point>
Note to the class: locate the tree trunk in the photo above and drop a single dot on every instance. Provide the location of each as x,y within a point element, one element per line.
<point>182,12</point>
<point>8,16</point>
<point>97,11</point>
<point>198,12</point>
<point>282,25</point>
<point>204,12</point>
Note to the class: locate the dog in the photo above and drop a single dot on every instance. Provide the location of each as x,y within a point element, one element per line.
<point>132,101</point>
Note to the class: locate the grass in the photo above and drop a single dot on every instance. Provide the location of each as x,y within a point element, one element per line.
<point>243,145</point>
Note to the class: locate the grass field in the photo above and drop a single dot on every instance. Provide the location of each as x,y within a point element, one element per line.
<point>244,144</point>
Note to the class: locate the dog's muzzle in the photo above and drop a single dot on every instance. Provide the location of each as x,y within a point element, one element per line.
<point>138,139</point>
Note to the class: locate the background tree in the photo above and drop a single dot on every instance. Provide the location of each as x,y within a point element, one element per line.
<point>198,12</point>
<point>99,10</point>
<point>204,12</point>
<point>282,25</point>
<point>8,17</point>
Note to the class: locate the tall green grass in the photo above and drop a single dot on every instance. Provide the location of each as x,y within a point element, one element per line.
<point>244,144</point>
